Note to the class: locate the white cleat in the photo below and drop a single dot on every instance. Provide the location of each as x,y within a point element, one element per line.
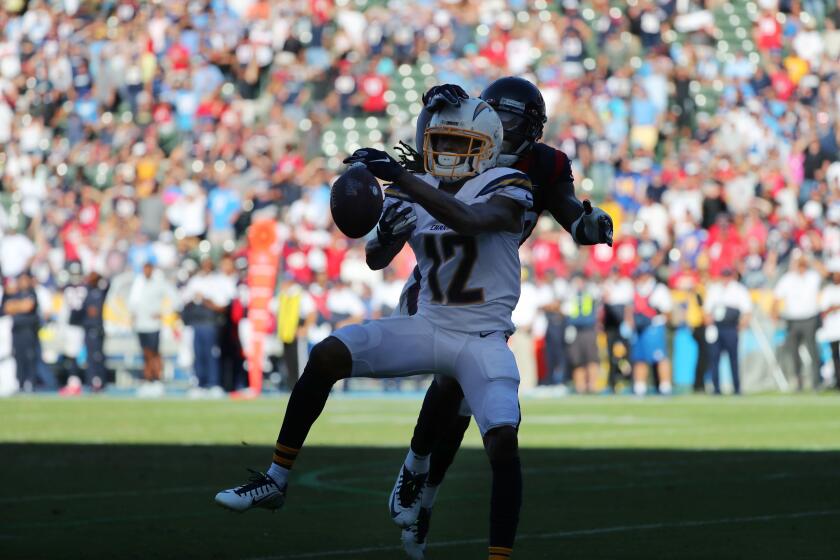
<point>404,502</point>
<point>414,537</point>
<point>259,492</point>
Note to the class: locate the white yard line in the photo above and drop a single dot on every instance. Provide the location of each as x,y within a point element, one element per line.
<point>572,533</point>
<point>101,495</point>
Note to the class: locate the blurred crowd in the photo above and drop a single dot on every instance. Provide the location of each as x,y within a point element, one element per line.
<point>141,139</point>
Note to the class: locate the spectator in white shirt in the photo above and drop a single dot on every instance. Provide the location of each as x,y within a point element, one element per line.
<point>146,300</point>
<point>727,309</point>
<point>206,298</point>
<point>797,304</point>
<point>16,253</point>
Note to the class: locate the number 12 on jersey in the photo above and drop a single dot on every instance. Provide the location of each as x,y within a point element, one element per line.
<point>441,249</point>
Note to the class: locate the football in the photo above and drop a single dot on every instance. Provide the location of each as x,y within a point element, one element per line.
<point>356,201</point>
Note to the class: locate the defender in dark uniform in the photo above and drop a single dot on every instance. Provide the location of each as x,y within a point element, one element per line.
<point>21,303</point>
<point>443,418</point>
<point>92,323</point>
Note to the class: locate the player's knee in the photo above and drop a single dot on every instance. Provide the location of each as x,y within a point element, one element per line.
<point>502,443</point>
<point>330,359</point>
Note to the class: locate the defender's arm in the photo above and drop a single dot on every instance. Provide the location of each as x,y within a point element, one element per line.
<point>563,205</point>
<point>587,225</point>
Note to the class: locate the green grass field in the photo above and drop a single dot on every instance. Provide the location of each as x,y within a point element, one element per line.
<point>607,478</point>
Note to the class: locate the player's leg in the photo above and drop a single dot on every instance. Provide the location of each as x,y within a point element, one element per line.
<point>353,350</point>
<point>489,377</point>
<point>445,447</point>
<point>438,414</point>
<point>502,446</point>
<point>329,362</point>
<point>448,443</point>
<point>440,407</point>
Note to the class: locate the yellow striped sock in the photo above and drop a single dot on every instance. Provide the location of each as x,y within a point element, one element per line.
<point>284,455</point>
<point>500,552</point>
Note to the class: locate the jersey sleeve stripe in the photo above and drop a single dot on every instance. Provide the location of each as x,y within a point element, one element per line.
<point>498,188</point>
<point>527,201</point>
<point>518,180</point>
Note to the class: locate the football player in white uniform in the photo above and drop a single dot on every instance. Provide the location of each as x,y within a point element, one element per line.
<point>444,416</point>
<point>464,219</point>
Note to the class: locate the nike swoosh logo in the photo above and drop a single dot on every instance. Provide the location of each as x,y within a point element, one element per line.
<point>255,501</point>
<point>485,334</point>
<point>394,512</point>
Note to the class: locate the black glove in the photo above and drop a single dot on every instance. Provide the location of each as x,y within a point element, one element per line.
<point>447,94</point>
<point>593,227</point>
<point>397,222</point>
<point>377,162</point>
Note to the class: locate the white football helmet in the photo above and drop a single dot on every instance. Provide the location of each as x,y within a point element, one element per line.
<point>462,141</point>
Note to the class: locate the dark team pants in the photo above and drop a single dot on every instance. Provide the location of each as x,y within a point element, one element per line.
<point>727,341</point>
<point>27,351</point>
<point>94,345</point>
<point>206,351</point>
<point>555,353</point>
<point>699,335</point>
<point>835,357</point>
<point>231,369</point>
<point>803,332</point>
<point>290,359</point>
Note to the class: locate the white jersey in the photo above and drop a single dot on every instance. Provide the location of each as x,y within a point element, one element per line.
<point>470,283</point>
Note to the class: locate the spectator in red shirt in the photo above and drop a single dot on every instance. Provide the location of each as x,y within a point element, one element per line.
<point>89,211</point>
<point>626,255</point>
<point>178,54</point>
<point>372,87</point>
<point>546,255</point>
<point>768,32</point>
<point>782,84</point>
<point>495,49</point>
<point>724,246</point>
<point>600,260</point>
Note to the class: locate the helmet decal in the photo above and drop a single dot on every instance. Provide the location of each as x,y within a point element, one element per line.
<point>479,108</point>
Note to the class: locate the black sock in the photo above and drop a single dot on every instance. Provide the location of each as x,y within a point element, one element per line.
<point>440,407</point>
<point>305,405</point>
<point>330,360</point>
<point>446,447</point>
<point>505,502</point>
